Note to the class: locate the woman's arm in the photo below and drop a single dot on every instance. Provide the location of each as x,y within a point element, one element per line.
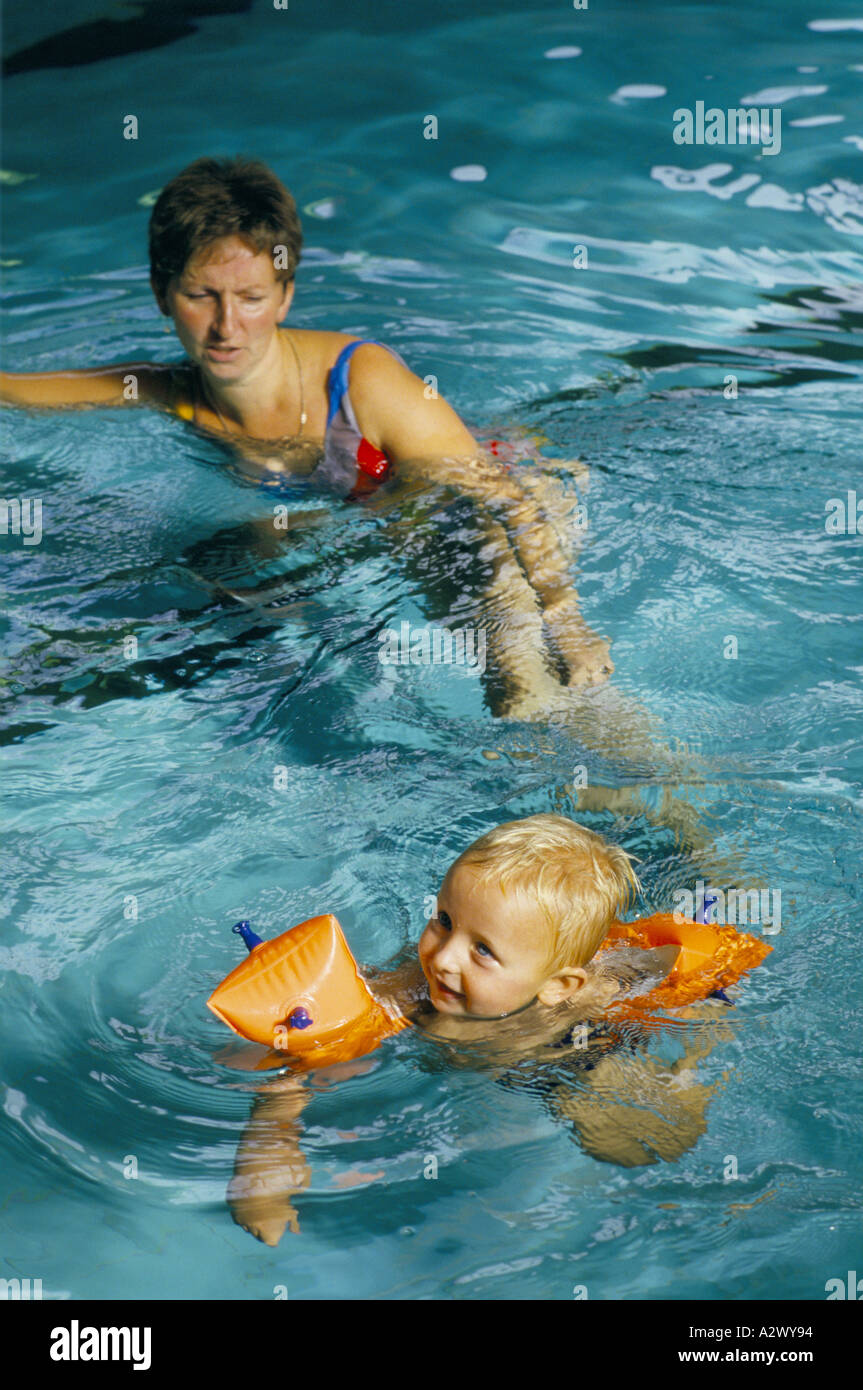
<point>124,383</point>
<point>426,440</point>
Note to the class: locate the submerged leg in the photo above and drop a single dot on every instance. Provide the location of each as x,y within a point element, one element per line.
<point>693,833</point>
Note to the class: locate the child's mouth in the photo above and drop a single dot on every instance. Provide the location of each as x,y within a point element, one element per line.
<point>444,992</point>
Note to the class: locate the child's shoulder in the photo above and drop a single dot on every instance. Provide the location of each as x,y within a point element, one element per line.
<point>567,1060</point>
<point>400,982</point>
<point>634,970</point>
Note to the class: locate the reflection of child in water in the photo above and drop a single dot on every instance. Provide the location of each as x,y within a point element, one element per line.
<point>508,964</point>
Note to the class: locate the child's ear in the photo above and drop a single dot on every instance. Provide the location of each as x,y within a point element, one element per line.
<point>563,986</point>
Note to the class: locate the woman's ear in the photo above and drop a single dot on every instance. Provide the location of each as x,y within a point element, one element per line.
<point>160,299</point>
<point>287,298</point>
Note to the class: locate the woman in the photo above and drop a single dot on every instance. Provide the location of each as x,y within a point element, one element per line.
<point>225,242</point>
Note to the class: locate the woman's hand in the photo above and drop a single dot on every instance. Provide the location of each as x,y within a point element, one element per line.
<point>587,655</point>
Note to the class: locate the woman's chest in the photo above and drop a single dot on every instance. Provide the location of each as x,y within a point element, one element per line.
<point>285,435</point>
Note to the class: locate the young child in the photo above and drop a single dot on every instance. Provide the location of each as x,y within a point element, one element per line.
<point>520,916</point>
<point>506,963</point>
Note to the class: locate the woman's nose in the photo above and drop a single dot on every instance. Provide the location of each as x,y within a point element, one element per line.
<point>224,318</point>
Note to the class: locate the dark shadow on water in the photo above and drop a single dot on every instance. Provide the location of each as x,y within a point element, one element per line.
<point>160,22</point>
<point>438,561</point>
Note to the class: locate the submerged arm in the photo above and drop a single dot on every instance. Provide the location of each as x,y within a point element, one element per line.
<point>427,441</point>
<point>270,1167</point>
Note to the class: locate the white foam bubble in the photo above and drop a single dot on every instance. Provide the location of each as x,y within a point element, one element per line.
<point>639,91</point>
<point>469,173</point>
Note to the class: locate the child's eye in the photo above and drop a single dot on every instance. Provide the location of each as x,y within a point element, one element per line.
<point>481,946</point>
<point>445,920</point>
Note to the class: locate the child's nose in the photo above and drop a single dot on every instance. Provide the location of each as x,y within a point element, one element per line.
<point>442,948</point>
<point>446,959</point>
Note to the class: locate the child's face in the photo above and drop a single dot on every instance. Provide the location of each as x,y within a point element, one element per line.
<point>485,954</point>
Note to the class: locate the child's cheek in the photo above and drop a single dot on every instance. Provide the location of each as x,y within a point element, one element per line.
<point>425,946</point>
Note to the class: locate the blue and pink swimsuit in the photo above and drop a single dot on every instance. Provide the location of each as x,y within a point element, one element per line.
<point>351,465</point>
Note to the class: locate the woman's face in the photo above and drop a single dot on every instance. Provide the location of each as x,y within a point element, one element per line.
<point>225,306</point>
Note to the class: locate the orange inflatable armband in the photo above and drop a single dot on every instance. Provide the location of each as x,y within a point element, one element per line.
<point>303,995</point>
<point>711,957</point>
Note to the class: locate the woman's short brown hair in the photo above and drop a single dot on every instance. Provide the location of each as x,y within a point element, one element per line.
<point>215,198</point>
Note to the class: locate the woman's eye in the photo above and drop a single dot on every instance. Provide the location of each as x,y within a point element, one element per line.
<point>247,298</point>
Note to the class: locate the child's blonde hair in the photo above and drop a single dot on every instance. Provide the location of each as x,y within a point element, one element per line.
<point>579,880</point>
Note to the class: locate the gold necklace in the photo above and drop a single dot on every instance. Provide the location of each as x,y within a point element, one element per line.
<point>303,415</point>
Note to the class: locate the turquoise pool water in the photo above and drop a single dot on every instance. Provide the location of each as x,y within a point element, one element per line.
<point>141,815</point>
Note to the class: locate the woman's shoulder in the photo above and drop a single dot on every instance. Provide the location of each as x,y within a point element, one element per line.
<point>323,348</point>
<point>171,386</point>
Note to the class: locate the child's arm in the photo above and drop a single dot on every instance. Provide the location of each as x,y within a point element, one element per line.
<point>270,1167</point>
<point>637,1110</point>
<point>400,984</point>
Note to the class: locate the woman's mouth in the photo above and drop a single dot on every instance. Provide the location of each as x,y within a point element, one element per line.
<point>223,354</point>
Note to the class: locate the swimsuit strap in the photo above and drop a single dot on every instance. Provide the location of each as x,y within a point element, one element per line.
<point>338,384</point>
